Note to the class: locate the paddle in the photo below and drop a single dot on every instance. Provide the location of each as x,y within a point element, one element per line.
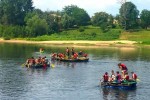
<point>52,65</point>
<point>23,65</point>
<point>138,80</point>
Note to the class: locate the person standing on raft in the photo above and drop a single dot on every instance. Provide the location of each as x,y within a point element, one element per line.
<point>123,67</point>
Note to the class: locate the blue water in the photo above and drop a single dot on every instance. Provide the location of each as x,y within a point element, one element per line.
<point>70,81</point>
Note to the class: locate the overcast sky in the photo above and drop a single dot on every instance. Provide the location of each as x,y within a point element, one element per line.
<point>91,6</point>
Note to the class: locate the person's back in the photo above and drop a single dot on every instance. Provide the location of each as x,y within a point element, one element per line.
<point>75,55</point>
<point>118,77</point>
<point>122,66</point>
<point>134,76</point>
<point>112,77</point>
<point>126,76</point>
<point>105,77</point>
<point>72,51</point>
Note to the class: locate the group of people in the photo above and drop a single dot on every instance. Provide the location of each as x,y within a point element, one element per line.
<point>119,78</point>
<point>69,54</point>
<point>38,61</point>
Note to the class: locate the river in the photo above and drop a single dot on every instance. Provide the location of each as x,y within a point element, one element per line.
<point>70,81</point>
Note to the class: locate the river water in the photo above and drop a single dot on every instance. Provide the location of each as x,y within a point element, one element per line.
<point>70,81</point>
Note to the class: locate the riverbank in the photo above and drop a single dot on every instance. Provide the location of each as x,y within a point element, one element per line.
<point>120,43</point>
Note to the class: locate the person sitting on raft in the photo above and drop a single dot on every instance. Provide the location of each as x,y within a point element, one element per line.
<point>80,54</point>
<point>67,52</point>
<point>126,77</point>
<point>30,62</point>
<point>122,66</point>
<point>118,77</point>
<point>112,77</point>
<point>134,76</point>
<point>72,51</point>
<point>75,56</point>
<point>105,77</point>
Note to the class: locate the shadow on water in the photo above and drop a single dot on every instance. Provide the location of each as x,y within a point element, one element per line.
<point>117,94</point>
<point>67,64</point>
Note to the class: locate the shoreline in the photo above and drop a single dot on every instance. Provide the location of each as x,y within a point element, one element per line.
<point>80,43</point>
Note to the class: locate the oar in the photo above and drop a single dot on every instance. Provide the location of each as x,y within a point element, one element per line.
<point>52,65</point>
<point>101,79</point>
<point>23,65</point>
<point>138,80</point>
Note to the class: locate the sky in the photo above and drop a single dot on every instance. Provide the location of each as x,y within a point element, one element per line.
<point>90,6</point>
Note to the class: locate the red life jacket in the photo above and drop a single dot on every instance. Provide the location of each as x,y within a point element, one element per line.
<point>105,78</point>
<point>127,77</point>
<point>123,67</point>
<point>134,76</point>
<point>75,55</point>
<point>118,77</point>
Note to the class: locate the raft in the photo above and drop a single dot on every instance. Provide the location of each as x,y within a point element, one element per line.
<point>38,66</point>
<point>80,59</point>
<point>125,85</point>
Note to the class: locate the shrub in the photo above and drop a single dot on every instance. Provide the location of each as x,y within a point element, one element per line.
<point>81,29</point>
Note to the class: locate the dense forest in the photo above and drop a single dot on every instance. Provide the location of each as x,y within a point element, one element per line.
<point>19,19</point>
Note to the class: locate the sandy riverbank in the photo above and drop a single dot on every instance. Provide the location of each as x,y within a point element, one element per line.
<point>124,43</point>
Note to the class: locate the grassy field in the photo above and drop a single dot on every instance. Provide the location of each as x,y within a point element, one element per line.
<point>83,33</point>
<point>142,36</point>
<point>91,33</point>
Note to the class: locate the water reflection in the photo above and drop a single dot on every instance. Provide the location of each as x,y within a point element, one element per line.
<point>37,70</point>
<point>117,94</point>
<point>67,64</point>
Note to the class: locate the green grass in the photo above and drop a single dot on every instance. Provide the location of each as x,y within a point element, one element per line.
<point>142,36</point>
<point>89,33</point>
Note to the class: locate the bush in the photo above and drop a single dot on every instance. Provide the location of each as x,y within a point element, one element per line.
<point>12,31</point>
<point>81,29</point>
<point>6,38</point>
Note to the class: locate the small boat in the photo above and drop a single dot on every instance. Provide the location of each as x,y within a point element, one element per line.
<point>80,59</point>
<point>125,85</point>
<point>38,65</point>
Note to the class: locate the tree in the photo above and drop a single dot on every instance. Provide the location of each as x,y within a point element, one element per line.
<point>102,19</point>
<point>53,20</point>
<point>145,18</point>
<point>128,15</point>
<point>67,21</point>
<point>36,26</point>
<point>12,12</point>
<point>78,16</point>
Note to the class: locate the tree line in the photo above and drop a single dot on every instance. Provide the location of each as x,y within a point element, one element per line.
<point>18,18</point>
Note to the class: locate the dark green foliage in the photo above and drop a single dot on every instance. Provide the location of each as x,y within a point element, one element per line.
<point>145,18</point>
<point>104,20</point>
<point>7,38</point>
<point>81,29</point>
<point>73,15</point>
<point>36,26</point>
<point>129,16</point>
<point>12,31</point>
<point>13,12</point>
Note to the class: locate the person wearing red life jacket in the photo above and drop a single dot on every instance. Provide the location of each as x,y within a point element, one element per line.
<point>126,76</point>
<point>122,66</point>
<point>118,77</point>
<point>105,77</point>
<point>75,56</point>
<point>134,76</point>
<point>68,52</point>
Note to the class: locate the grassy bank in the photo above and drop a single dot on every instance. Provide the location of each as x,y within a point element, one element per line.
<point>83,33</point>
<point>142,36</point>
<point>90,33</point>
